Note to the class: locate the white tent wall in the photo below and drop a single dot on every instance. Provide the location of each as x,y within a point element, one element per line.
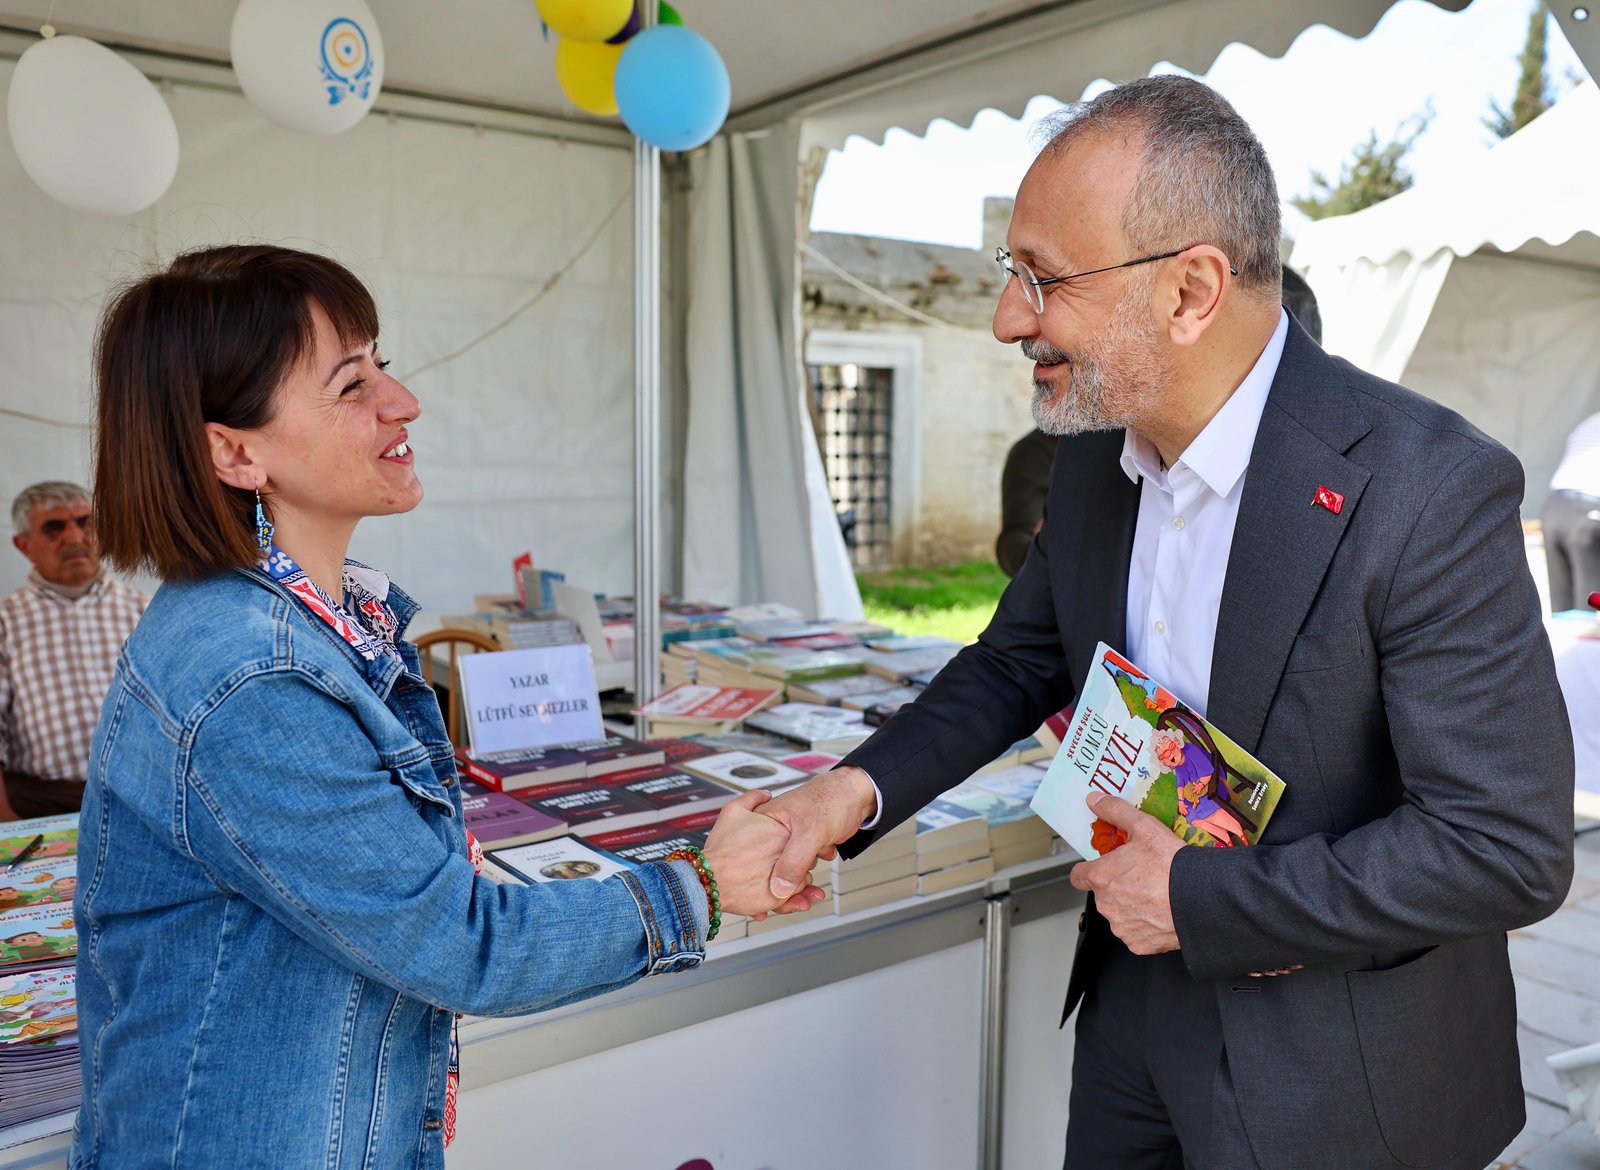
<point>757,519</point>
<point>1511,345</point>
<point>1480,289</point>
<point>525,441</point>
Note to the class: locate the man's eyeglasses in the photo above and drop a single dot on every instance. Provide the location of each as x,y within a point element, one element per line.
<point>1033,286</point>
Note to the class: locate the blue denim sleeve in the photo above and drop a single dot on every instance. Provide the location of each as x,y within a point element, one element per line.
<point>287,803</point>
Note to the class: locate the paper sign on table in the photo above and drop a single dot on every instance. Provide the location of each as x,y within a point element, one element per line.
<point>530,698</point>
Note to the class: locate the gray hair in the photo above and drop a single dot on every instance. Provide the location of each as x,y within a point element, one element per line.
<point>1203,177</point>
<point>52,491</point>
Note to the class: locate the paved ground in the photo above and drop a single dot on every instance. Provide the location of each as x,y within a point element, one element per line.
<point>1557,965</point>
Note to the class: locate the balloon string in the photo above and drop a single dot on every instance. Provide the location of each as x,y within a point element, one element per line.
<point>550,282</point>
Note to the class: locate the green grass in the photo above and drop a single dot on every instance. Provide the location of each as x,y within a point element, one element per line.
<point>954,601</point>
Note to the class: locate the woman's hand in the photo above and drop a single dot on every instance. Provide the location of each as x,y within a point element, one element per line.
<point>741,850</point>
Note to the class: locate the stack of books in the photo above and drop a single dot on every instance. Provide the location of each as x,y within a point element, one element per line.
<point>39,1069</point>
<point>696,708</point>
<point>886,872</point>
<point>952,847</point>
<point>812,726</point>
<point>527,767</point>
<point>1016,832</point>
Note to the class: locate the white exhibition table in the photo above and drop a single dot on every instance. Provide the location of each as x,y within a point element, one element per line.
<point>921,1034</point>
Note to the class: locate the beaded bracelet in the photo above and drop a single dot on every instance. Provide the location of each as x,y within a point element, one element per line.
<point>701,867</point>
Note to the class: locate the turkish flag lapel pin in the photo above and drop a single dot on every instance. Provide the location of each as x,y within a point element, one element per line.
<point>1327,498</point>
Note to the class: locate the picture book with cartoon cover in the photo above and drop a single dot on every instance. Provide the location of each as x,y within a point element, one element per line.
<point>38,1005</point>
<point>59,838</point>
<point>1131,737</point>
<point>37,936</point>
<point>52,879</point>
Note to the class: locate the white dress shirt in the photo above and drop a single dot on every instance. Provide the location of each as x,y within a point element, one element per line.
<point>1181,542</point>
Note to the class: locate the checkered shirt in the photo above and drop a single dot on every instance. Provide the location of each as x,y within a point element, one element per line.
<point>57,656</point>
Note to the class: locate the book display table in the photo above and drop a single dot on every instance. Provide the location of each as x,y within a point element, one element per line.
<point>921,1033</point>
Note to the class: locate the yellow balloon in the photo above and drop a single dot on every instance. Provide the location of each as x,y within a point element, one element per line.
<point>585,20</point>
<point>587,73</point>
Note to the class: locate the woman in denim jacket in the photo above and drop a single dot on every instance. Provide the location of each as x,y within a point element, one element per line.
<point>279,915</point>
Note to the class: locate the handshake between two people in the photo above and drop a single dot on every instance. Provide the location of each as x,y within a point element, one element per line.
<point>763,847</point>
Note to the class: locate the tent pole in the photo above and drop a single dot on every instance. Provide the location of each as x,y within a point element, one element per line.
<point>646,412</point>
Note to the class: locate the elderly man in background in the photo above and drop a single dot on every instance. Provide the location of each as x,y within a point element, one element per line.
<point>59,639</point>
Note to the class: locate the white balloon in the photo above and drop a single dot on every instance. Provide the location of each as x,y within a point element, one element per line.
<point>311,65</point>
<point>90,128</point>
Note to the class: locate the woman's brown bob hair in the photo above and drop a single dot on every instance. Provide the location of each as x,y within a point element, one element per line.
<point>211,339</point>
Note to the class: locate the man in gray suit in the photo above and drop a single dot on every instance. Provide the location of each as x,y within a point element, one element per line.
<point>1331,569</point>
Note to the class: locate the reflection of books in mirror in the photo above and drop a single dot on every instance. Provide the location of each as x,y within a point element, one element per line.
<point>744,770</point>
<point>949,877</point>
<point>1131,737</point>
<point>496,819</point>
<point>559,859</point>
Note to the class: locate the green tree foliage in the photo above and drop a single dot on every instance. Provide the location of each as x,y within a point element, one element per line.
<point>1374,172</point>
<point>1533,88</point>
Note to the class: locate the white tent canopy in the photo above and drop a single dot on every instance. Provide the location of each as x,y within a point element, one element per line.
<point>1481,289</point>
<point>482,183</point>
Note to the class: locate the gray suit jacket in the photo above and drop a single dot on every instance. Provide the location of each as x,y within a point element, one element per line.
<point>1389,663</point>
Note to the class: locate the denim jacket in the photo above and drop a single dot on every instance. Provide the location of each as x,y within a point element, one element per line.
<point>277,917</point>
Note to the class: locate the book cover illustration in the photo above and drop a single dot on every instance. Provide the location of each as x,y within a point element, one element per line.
<point>54,879</point>
<point>60,835</point>
<point>38,1005</point>
<point>37,936</point>
<point>1131,737</point>
<point>558,860</point>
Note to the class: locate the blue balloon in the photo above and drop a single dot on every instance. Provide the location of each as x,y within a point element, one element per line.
<point>672,87</point>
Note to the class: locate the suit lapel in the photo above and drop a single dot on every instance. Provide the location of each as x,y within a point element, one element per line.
<point>1284,540</point>
<point>1104,510</point>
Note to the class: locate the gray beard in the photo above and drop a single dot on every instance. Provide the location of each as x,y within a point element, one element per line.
<point>1087,404</point>
<point>1115,378</point>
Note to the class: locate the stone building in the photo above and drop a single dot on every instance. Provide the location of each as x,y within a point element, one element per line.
<point>915,402</point>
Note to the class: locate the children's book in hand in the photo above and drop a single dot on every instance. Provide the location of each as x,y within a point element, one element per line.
<point>1130,737</point>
